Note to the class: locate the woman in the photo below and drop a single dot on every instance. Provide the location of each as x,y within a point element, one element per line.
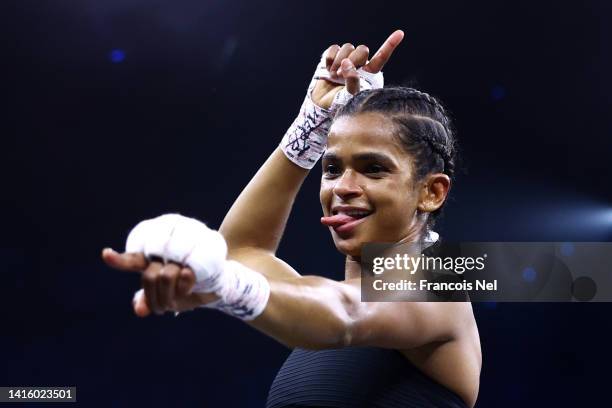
<point>387,171</point>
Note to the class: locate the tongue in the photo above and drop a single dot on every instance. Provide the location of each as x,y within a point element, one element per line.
<point>337,220</point>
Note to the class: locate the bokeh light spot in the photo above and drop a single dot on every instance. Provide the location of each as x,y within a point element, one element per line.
<point>116,56</point>
<point>498,93</point>
<point>529,274</point>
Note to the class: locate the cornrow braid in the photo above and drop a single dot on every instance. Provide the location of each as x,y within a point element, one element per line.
<point>425,128</point>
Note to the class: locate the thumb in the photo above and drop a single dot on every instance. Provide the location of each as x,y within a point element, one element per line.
<point>141,309</point>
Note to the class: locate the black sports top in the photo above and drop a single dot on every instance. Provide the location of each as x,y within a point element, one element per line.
<point>356,377</point>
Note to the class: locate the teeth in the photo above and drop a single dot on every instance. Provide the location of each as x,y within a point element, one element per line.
<point>356,213</point>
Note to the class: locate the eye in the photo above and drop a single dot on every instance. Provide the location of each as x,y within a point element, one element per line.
<point>331,170</point>
<point>375,169</point>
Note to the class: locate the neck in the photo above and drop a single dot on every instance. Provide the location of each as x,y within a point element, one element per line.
<point>352,264</point>
<point>352,267</point>
<point>417,231</point>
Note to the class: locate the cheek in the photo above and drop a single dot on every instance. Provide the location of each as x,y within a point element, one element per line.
<point>394,204</point>
<point>325,194</point>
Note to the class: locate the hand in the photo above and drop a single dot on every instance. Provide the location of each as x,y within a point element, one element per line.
<point>193,259</point>
<point>343,62</point>
<point>166,287</point>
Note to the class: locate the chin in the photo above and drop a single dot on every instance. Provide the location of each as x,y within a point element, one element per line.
<point>350,246</point>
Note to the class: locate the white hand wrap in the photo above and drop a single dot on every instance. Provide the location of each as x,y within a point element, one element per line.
<point>306,139</point>
<point>243,292</point>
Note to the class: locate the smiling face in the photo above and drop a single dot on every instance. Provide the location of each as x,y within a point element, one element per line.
<point>368,192</point>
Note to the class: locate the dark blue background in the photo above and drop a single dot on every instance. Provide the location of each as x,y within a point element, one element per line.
<point>121,110</point>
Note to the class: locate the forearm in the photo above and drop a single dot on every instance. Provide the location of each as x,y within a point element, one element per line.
<point>259,215</point>
<point>310,312</point>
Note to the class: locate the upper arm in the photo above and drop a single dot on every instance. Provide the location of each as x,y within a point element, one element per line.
<point>402,325</point>
<point>263,261</point>
<point>397,325</point>
<point>258,217</point>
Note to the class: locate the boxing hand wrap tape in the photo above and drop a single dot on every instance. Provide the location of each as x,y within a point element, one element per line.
<point>242,292</point>
<point>246,293</point>
<point>306,139</point>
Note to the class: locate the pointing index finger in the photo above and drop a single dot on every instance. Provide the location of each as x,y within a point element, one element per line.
<point>126,262</point>
<point>383,54</point>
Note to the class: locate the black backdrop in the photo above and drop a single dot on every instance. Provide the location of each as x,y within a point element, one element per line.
<point>121,110</point>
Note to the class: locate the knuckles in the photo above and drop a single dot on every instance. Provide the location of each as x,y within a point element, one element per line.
<point>363,48</point>
<point>148,279</point>
<point>187,275</point>
<point>165,277</point>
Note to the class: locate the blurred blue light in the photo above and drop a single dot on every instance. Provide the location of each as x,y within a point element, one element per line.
<point>116,56</point>
<point>567,249</point>
<point>498,92</point>
<point>490,305</point>
<point>583,219</point>
<point>608,216</point>
<point>529,274</point>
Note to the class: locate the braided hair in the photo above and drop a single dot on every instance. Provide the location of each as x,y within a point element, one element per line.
<point>424,128</point>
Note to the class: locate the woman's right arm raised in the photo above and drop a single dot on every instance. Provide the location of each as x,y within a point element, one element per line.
<point>255,223</point>
<point>258,217</point>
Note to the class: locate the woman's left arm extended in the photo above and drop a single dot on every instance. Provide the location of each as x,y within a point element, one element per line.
<point>309,311</point>
<point>317,313</point>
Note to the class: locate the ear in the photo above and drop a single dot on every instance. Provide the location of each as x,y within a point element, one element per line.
<point>433,192</point>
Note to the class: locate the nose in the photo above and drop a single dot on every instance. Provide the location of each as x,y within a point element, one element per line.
<point>347,185</point>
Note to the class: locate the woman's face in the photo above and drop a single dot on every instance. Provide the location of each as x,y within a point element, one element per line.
<point>367,186</point>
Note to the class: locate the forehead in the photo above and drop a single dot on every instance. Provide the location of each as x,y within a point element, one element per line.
<point>365,131</point>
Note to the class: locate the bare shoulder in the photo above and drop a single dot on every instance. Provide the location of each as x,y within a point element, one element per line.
<point>455,363</point>
<point>462,316</point>
<point>454,321</point>
<point>406,325</point>
<point>462,326</point>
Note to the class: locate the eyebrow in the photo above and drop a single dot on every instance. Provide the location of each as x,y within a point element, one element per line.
<point>368,156</point>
